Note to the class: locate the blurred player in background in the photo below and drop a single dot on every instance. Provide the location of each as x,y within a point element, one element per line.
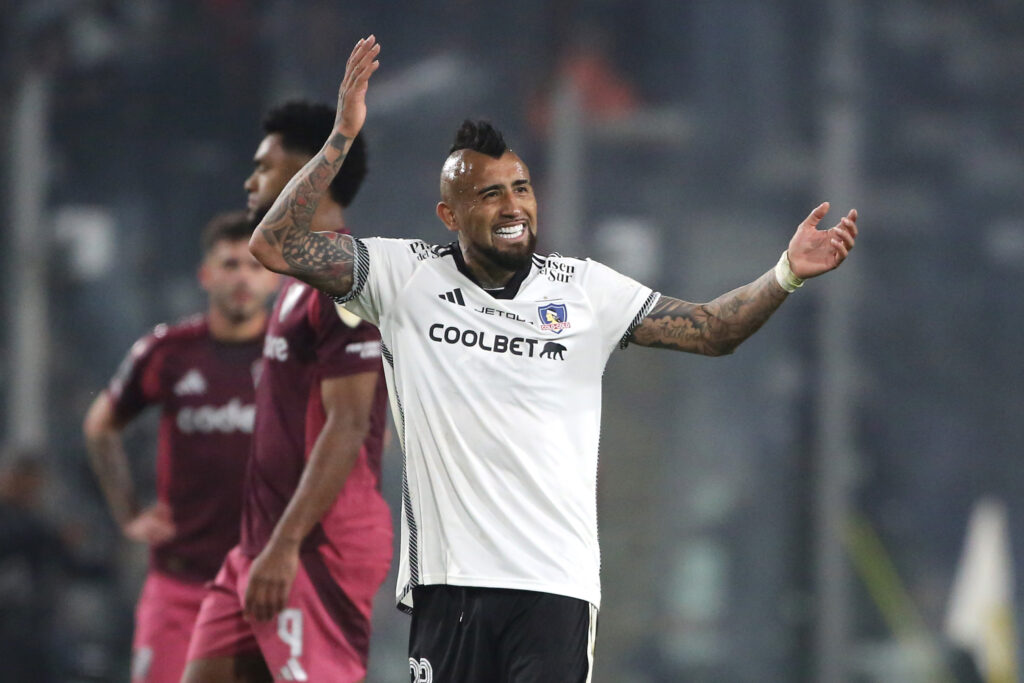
<point>39,566</point>
<point>295,597</point>
<point>201,372</point>
<point>494,359</point>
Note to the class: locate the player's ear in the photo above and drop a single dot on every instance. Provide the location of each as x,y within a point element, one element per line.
<point>203,274</point>
<point>447,216</point>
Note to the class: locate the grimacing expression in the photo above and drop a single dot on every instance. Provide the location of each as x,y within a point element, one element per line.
<point>273,167</point>
<point>237,284</point>
<point>490,203</point>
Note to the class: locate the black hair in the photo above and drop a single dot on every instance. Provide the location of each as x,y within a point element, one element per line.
<point>303,127</point>
<point>479,136</point>
<point>230,225</point>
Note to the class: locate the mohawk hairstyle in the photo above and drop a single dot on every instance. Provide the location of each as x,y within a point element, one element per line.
<point>230,226</point>
<point>303,127</point>
<point>479,136</point>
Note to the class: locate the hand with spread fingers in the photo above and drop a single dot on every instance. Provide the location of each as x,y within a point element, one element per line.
<point>813,252</point>
<point>351,113</point>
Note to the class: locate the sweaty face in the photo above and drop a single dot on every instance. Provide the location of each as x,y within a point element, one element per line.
<point>273,167</point>
<point>238,285</point>
<point>490,203</point>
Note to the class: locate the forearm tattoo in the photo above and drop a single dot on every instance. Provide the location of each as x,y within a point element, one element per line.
<point>714,328</point>
<point>323,259</point>
<point>109,463</point>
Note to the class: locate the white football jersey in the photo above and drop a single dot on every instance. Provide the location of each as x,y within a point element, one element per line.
<point>497,401</point>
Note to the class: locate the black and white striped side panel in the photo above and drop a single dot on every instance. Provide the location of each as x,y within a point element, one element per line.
<point>410,518</point>
<point>360,271</point>
<point>641,314</point>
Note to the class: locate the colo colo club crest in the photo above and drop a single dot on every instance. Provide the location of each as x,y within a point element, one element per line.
<point>553,318</point>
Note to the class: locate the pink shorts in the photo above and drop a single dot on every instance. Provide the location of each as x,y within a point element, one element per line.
<point>164,618</point>
<point>323,634</point>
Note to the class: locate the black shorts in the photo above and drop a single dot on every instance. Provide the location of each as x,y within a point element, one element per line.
<point>495,635</point>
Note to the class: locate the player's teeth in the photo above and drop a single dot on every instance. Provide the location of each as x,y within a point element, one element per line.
<point>511,231</point>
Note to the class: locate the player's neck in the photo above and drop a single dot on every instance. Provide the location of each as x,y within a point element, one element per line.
<point>225,329</point>
<point>487,274</point>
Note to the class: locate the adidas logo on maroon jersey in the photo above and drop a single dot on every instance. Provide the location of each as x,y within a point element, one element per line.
<point>191,384</point>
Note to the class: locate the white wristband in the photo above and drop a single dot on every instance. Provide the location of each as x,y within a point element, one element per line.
<point>784,274</point>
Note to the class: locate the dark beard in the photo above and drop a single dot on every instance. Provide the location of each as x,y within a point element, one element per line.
<point>511,260</point>
<point>256,215</point>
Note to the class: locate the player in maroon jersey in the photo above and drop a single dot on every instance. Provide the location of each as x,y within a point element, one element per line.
<point>295,597</point>
<point>201,372</point>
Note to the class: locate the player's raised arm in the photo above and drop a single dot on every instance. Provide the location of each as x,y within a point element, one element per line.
<point>718,327</point>
<point>283,241</point>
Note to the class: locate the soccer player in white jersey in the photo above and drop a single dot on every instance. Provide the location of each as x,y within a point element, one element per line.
<point>494,362</point>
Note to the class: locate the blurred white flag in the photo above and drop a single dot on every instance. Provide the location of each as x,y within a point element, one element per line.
<point>980,616</point>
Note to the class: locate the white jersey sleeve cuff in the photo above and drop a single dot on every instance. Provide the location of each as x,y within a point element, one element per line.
<point>639,318</point>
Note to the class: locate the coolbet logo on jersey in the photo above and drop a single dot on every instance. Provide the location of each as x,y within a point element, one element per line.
<point>231,417</point>
<point>495,343</point>
<point>553,350</point>
<point>553,318</point>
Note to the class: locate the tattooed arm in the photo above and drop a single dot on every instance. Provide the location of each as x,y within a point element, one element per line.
<point>718,327</point>
<point>715,328</point>
<point>283,241</point>
<point>102,430</point>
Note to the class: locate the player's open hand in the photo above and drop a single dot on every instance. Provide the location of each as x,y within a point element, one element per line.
<point>270,581</point>
<point>361,64</point>
<point>152,526</point>
<point>813,252</point>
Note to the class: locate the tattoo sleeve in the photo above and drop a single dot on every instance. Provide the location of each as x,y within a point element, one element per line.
<point>108,460</point>
<point>715,328</point>
<point>323,259</point>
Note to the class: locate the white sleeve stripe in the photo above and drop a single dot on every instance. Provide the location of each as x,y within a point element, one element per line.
<point>360,271</point>
<point>641,314</point>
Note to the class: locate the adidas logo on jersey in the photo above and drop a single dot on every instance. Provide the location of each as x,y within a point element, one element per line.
<point>192,384</point>
<point>454,296</point>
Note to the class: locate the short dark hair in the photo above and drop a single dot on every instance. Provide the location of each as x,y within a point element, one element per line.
<point>479,136</point>
<point>303,127</point>
<point>230,225</point>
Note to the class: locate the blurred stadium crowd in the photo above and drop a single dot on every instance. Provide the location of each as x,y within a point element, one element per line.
<point>678,142</point>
